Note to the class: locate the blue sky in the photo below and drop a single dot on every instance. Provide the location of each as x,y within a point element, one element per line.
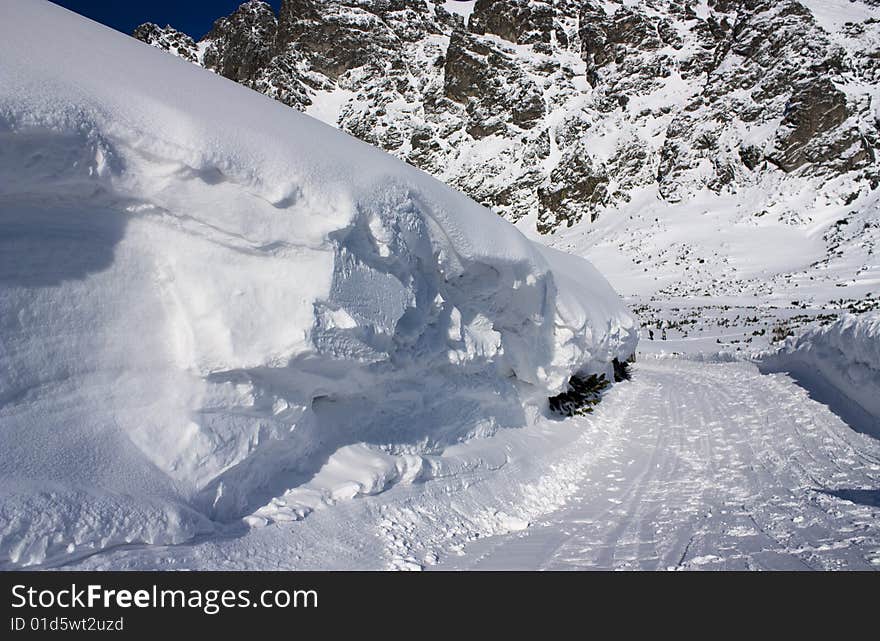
<point>194,17</point>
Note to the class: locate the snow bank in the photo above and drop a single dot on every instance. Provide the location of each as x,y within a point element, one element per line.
<point>206,298</point>
<point>845,355</point>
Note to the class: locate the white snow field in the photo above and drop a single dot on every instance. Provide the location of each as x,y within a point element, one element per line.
<point>232,337</point>
<point>217,313</point>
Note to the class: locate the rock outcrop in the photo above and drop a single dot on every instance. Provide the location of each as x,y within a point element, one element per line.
<point>168,38</point>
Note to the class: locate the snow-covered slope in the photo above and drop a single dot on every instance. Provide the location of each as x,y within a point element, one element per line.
<point>716,159</point>
<point>207,297</point>
<point>844,355</point>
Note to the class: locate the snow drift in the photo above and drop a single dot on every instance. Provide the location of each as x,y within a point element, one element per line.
<point>205,296</point>
<point>844,354</point>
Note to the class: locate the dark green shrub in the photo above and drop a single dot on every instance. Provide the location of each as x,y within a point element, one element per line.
<point>583,393</point>
<point>621,371</point>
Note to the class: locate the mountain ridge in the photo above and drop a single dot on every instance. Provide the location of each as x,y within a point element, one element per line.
<point>718,95</point>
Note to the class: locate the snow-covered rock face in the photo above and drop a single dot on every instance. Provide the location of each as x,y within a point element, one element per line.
<point>204,295</point>
<point>563,108</point>
<point>168,39</point>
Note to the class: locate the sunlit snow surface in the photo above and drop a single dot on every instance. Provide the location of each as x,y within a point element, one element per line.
<point>214,308</point>
<point>842,360</point>
<point>463,8</point>
<point>833,14</point>
<point>220,321</point>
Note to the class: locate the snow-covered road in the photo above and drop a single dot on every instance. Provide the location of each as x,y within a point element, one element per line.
<point>711,466</point>
<point>689,465</point>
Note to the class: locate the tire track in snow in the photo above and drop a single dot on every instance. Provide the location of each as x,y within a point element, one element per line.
<point>719,467</point>
<point>688,466</point>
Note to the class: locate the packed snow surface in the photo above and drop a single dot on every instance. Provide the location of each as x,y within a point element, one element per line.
<point>213,308</point>
<point>706,466</point>
<point>690,465</point>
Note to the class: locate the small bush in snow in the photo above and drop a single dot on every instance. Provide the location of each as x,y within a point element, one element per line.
<point>584,392</point>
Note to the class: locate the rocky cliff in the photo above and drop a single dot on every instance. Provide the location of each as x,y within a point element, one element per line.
<point>559,110</point>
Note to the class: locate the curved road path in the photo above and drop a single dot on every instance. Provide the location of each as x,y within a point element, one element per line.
<point>712,466</point>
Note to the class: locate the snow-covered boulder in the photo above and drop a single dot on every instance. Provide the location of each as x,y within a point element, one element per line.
<point>205,294</point>
<point>844,354</point>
